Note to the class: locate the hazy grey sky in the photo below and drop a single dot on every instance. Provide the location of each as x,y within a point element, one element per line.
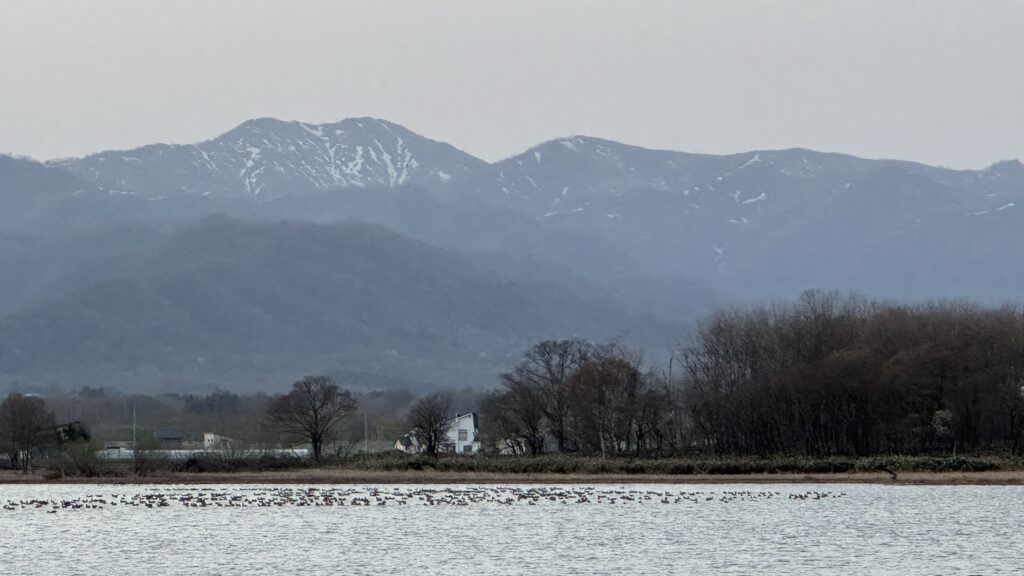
<point>936,81</point>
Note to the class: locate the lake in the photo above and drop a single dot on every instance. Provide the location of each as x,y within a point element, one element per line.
<point>513,529</point>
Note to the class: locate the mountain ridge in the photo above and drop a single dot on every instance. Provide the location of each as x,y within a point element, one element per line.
<point>281,155</point>
<point>395,173</point>
<point>661,237</point>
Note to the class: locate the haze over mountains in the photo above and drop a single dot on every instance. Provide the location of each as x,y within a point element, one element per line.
<point>364,250</point>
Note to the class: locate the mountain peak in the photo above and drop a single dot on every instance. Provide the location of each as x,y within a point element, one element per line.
<point>267,125</point>
<point>582,144</point>
<point>268,157</point>
<point>256,126</point>
<point>370,123</point>
<point>1006,167</point>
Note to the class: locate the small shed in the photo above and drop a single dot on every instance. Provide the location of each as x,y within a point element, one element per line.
<point>214,441</point>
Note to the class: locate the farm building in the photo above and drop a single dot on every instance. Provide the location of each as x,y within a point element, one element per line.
<point>463,437</point>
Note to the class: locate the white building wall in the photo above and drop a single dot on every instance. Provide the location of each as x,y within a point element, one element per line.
<point>466,441</point>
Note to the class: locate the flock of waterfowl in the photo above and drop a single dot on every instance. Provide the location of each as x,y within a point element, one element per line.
<point>278,497</point>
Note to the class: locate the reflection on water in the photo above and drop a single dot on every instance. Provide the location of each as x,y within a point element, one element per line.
<point>642,529</point>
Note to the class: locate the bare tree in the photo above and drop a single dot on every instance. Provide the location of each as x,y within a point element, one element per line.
<point>843,375</point>
<point>515,419</point>
<point>545,371</point>
<point>604,394</point>
<point>25,425</point>
<point>430,419</point>
<point>312,411</point>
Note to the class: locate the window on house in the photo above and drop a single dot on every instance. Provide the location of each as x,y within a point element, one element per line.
<point>463,435</point>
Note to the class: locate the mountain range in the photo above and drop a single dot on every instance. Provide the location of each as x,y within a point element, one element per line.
<point>367,251</point>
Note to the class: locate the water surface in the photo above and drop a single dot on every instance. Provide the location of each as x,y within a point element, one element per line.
<point>432,529</point>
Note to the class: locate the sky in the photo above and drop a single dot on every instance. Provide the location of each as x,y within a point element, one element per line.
<point>935,81</point>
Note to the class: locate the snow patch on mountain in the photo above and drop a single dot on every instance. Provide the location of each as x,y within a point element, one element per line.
<point>288,157</point>
<point>757,198</point>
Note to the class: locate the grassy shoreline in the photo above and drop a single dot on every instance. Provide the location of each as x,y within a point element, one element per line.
<point>397,468</point>
<point>355,476</point>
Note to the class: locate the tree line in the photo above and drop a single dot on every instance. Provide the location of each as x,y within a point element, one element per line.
<point>835,374</point>
<point>315,412</point>
<point>31,425</point>
<point>827,375</point>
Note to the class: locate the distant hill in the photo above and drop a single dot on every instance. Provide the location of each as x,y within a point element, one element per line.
<point>266,158</point>
<point>743,226</point>
<point>651,234</point>
<point>234,304</point>
<point>35,197</point>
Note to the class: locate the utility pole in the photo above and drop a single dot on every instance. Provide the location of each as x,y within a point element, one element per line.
<point>133,427</point>
<point>671,391</point>
<point>366,434</point>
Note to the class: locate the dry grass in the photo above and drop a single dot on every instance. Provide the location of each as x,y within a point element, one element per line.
<point>350,476</point>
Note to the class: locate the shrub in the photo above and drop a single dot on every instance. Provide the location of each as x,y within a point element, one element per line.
<point>78,459</point>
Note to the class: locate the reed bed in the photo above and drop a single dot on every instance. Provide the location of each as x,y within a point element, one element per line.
<point>81,465</point>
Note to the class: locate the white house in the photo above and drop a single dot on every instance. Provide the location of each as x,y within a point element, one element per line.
<point>463,437</point>
<point>464,434</point>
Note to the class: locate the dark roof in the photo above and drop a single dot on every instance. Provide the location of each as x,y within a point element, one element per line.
<point>168,434</point>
